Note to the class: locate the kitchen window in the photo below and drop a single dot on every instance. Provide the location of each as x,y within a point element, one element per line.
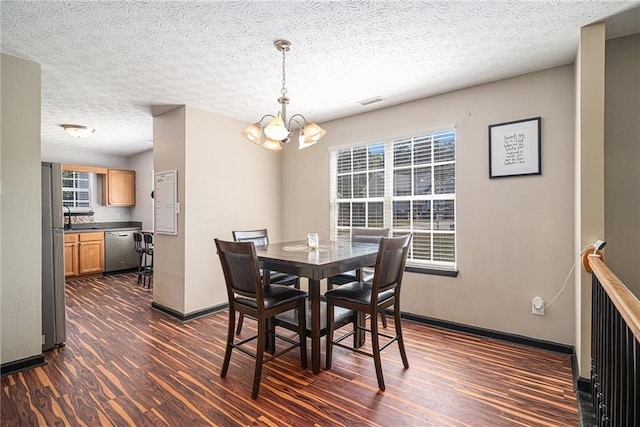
<point>76,189</point>
<point>404,184</point>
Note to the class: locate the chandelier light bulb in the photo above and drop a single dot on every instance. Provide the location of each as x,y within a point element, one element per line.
<point>276,129</point>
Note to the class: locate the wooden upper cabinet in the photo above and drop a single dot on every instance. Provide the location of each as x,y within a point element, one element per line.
<point>119,188</point>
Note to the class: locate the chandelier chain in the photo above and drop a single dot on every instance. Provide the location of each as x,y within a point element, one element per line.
<point>283,91</point>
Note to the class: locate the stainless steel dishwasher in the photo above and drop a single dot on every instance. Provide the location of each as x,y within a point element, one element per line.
<point>119,251</point>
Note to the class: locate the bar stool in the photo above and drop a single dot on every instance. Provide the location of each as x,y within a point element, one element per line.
<point>148,253</point>
<point>139,247</point>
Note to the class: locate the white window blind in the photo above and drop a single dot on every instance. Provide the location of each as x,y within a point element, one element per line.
<point>407,185</point>
<point>76,189</point>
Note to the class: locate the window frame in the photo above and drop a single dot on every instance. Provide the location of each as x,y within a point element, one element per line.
<point>342,231</point>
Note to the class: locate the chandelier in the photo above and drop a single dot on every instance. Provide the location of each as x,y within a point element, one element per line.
<point>279,131</point>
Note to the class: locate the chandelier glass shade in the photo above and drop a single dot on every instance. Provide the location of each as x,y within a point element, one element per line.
<point>278,129</point>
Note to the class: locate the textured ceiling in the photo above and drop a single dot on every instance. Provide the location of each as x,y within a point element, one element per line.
<point>108,64</point>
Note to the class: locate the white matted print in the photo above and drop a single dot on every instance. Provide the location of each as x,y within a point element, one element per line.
<point>514,148</point>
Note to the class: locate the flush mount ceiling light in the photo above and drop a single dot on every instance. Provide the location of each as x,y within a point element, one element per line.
<point>78,131</point>
<point>279,131</point>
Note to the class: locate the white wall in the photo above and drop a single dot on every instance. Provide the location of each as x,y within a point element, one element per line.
<point>20,211</point>
<point>622,159</point>
<point>225,183</point>
<point>515,235</point>
<point>143,210</point>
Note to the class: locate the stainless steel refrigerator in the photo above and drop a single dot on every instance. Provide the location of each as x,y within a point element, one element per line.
<point>53,299</point>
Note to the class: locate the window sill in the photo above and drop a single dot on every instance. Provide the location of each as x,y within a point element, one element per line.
<point>432,271</point>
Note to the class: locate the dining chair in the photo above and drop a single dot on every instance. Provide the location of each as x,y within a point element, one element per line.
<point>372,298</point>
<point>247,295</point>
<point>261,238</point>
<point>362,235</point>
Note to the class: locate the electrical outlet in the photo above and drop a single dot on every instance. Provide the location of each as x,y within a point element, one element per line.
<point>117,215</point>
<point>537,306</point>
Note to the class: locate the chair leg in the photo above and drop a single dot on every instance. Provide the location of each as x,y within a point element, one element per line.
<point>259,359</point>
<point>139,268</point>
<point>403,353</point>
<point>147,270</point>
<point>383,317</point>
<point>329,284</point>
<point>359,322</point>
<point>228,347</point>
<point>151,273</point>
<point>302,326</point>
<point>240,321</point>
<point>270,335</point>
<point>330,321</point>
<point>375,344</point>
<point>297,283</point>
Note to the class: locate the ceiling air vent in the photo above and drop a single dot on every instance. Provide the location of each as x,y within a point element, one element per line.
<point>370,101</point>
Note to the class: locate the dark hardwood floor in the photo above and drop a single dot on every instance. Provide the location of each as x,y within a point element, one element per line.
<point>126,364</point>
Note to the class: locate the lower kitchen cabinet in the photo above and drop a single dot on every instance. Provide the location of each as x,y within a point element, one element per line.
<point>71,254</point>
<point>91,253</point>
<point>83,253</point>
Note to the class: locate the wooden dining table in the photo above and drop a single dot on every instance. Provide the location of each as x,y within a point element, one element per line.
<point>329,259</point>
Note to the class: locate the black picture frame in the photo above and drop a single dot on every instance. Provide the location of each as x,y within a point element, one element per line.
<point>515,148</point>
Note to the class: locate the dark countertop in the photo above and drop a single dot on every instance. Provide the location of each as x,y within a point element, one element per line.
<point>104,226</point>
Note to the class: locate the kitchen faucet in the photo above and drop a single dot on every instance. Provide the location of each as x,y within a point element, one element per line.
<point>68,215</point>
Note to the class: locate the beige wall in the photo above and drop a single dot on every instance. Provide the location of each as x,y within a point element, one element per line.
<point>20,210</point>
<point>622,159</point>
<point>225,183</point>
<point>232,184</point>
<point>589,171</point>
<point>169,251</point>
<point>515,235</point>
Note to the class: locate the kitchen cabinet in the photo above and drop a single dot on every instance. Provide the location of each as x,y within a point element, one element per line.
<point>119,188</point>
<point>71,254</point>
<point>83,253</point>
<point>91,253</point>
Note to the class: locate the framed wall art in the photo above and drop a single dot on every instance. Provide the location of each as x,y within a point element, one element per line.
<point>514,148</point>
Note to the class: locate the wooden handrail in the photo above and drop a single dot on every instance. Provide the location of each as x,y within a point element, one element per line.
<point>627,304</point>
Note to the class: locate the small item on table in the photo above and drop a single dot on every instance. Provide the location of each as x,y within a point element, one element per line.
<point>312,241</point>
